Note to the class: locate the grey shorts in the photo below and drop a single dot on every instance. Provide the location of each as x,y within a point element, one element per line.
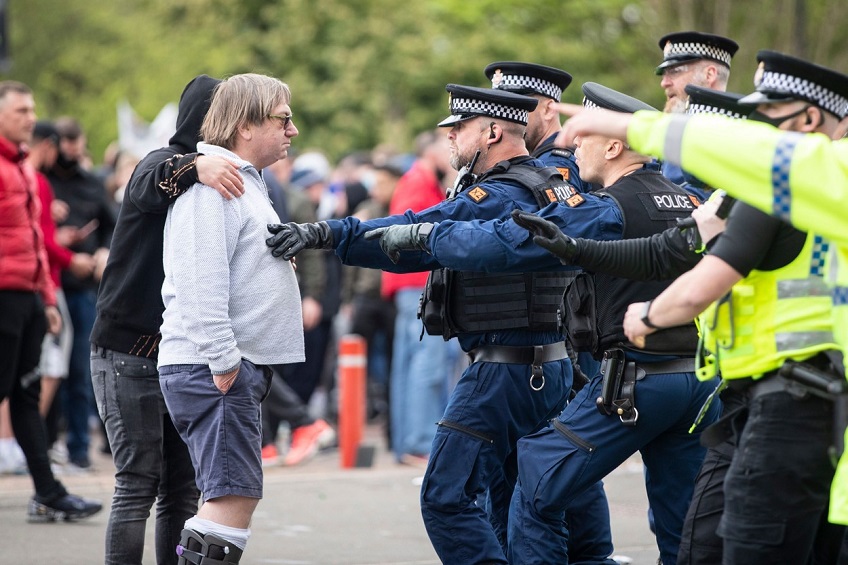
<point>223,432</point>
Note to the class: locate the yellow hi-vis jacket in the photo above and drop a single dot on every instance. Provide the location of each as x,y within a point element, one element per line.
<point>771,316</point>
<point>800,178</point>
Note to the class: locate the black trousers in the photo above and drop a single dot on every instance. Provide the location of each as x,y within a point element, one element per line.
<point>761,496</point>
<point>22,329</point>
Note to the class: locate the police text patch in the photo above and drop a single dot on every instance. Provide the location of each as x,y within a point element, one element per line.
<point>666,205</point>
<point>477,194</point>
<point>672,202</point>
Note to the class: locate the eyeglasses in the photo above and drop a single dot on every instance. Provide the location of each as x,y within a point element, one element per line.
<point>676,71</point>
<point>285,120</point>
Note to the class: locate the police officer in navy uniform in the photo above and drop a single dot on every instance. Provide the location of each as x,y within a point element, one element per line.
<point>510,325</point>
<point>708,101</point>
<point>546,84</point>
<point>648,399</point>
<point>692,57</point>
<point>588,517</point>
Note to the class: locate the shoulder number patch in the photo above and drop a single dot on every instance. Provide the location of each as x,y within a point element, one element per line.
<point>477,194</point>
<point>575,200</point>
<point>565,172</point>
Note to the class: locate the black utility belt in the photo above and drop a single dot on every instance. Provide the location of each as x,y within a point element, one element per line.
<point>527,355</point>
<point>814,377</point>
<point>534,355</point>
<point>618,387</point>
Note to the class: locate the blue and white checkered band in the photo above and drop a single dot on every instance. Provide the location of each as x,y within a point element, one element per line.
<point>588,104</point>
<point>707,109</point>
<point>476,107</point>
<point>701,50</point>
<point>839,295</point>
<point>781,82</point>
<point>820,249</point>
<point>782,199</point>
<point>518,82</point>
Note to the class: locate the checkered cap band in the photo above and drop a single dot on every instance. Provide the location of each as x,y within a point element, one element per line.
<point>544,87</point>
<point>478,107</point>
<point>707,109</point>
<point>825,98</point>
<point>589,104</point>
<point>701,50</point>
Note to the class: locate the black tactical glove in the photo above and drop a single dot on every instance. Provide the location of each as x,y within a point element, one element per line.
<point>546,234</point>
<point>406,237</point>
<point>290,239</point>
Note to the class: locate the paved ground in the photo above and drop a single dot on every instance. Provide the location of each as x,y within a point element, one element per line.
<point>316,514</point>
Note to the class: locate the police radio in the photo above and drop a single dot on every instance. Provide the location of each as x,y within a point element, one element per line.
<point>464,178</point>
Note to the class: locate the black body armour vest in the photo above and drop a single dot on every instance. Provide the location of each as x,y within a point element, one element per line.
<point>457,302</point>
<point>650,203</point>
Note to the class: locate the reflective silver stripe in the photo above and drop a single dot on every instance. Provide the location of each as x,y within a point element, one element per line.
<point>801,340</point>
<point>673,147</point>
<point>833,263</point>
<point>800,288</point>
<point>782,202</point>
<point>839,295</point>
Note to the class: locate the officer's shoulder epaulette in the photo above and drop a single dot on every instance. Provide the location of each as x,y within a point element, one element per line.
<point>559,152</point>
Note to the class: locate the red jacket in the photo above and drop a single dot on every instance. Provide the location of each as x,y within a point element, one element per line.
<point>23,258</point>
<point>416,190</point>
<point>58,257</point>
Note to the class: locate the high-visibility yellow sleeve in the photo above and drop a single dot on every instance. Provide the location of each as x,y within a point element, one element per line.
<point>800,178</point>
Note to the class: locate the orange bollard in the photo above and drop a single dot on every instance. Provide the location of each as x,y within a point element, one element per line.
<point>352,365</point>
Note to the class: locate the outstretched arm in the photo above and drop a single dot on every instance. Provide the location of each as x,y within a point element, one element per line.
<point>800,178</point>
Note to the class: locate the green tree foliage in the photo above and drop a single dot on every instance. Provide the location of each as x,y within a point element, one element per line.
<point>366,72</point>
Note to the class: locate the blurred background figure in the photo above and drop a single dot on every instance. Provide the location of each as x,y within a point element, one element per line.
<point>283,404</point>
<point>368,313</point>
<point>91,213</point>
<point>423,366</point>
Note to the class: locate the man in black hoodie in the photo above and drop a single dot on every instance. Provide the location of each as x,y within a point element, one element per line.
<point>150,458</point>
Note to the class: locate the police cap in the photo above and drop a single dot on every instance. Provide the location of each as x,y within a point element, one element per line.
<point>781,78</point>
<point>599,96</point>
<point>683,46</point>
<point>528,78</point>
<point>468,102</point>
<point>708,101</point>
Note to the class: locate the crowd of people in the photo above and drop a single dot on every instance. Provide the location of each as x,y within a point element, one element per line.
<point>669,283</point>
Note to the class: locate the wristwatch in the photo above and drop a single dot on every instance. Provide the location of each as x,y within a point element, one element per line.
<point>646,310</point>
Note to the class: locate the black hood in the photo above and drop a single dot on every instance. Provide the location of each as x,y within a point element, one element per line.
<point>194,103</point>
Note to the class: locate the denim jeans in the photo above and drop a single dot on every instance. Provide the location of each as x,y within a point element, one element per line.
<point>151,461</point>
<point>76,390</point>
<point>419,382</point>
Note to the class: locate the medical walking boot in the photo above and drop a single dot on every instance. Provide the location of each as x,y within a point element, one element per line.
<point>209,549</point>
<point>68,507</point>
